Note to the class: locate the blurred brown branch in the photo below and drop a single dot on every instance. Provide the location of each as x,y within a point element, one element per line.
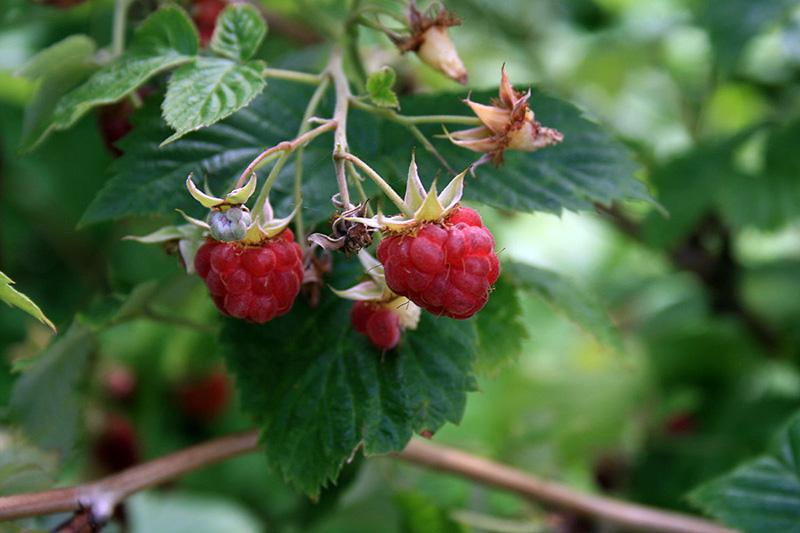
<point>100,497</point>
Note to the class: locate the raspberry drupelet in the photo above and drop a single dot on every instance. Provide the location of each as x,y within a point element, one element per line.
<point>379,323</point>
<point>446,268</point>
<point>256,283</point>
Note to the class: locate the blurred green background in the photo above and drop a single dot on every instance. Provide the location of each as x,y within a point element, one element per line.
<point>707,94</point>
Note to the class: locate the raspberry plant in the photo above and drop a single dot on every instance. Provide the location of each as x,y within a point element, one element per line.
<point>338,236</point>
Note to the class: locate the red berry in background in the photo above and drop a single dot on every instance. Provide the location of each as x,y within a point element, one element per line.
<point>256,283</point>
<point>205,13</point>
<point>112,121</point>
<point>380,324</point>
<point>117,446</point>
<point>681,424</point>
<point>444,268</point>
<point>120,383</point>
<point>205,398</point>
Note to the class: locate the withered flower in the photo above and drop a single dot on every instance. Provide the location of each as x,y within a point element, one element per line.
<point>507,124</point>
<point>349,235</point>
<point>430,39</point>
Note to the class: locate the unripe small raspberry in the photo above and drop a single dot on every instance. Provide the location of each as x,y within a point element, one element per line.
<point>379,323</point>
<point>230,225</point>
<point>444,268</point>
<point>256,283</point>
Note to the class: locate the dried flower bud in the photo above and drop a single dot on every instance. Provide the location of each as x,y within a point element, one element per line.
<point>430,39</point>
<point>507,124</point>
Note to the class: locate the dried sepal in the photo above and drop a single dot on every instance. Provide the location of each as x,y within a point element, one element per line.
<point>187,237</point>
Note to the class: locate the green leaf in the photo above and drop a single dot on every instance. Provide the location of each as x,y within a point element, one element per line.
<point>44,400</point>
<point>166,39</point>
<point>588,166</point>
<point>732,23</point>
<point>80,46</point>
<point>151,180</point>
<point>420,514</point>
<point>17,299</point>
<point>239,32</point>
<point>25,468</point>
<point>770,199</point>
<point>321,390</point>
<point>58,68</point>
<point>576,303</point>
<point>763,495</point>
<point>500,330</point>
<point>209,90</point>
<point>379,86</point>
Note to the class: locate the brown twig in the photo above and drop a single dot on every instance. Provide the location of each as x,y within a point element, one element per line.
<point>101,496</point>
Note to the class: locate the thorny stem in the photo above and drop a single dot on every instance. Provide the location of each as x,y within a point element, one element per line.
<point>340,146</point>
<point>101,496</point>
<point>379,181</point>
<point>291,75</point>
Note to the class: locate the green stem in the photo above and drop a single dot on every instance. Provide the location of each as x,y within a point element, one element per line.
<point>379,181</point>
<point>303,136</point>
<point>355,179</point>
<point>118,28</point>
<point>419,119</point>
<point>291,75</point>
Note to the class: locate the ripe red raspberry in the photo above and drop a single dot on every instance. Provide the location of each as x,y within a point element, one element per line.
<point>256,283</point>
<point>445,268</point>
<point>204,14</point>
<point>380,324</point>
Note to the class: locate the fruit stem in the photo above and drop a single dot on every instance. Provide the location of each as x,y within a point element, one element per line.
<point>118,28</point>
<point>391,114</point>
<point>410,124</point>
<point>311,108</point>
<point>292,75</point>
<point>385,187</point>
<point>340,145</point>
<point>285,146</point>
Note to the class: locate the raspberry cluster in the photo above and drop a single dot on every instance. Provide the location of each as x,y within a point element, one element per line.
<point>445,268</point>
<point>256,283</point>
<point>379,323</point>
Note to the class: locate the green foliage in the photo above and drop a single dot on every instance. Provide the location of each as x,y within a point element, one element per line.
<point>733,23</point>
<point>239,32</point>
<point>379,87</point>
<point>763,495</point>
<point>321,391</point>
<point>165,40</point>
<point>575,302</point>
<point>58,69</point>
<point>51,420</point>
<point>209,90</point>
<point>420,515</point>
<point>17,299</point>
<point>25,468</point>
<point>588,166</point>
<point>500,330</point>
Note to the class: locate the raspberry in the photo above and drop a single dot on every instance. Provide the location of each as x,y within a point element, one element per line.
<point>205,398</point>
<point>380,324</point>
<point>256,283</point>
<point>445,268</point>
<point>204,14</point>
